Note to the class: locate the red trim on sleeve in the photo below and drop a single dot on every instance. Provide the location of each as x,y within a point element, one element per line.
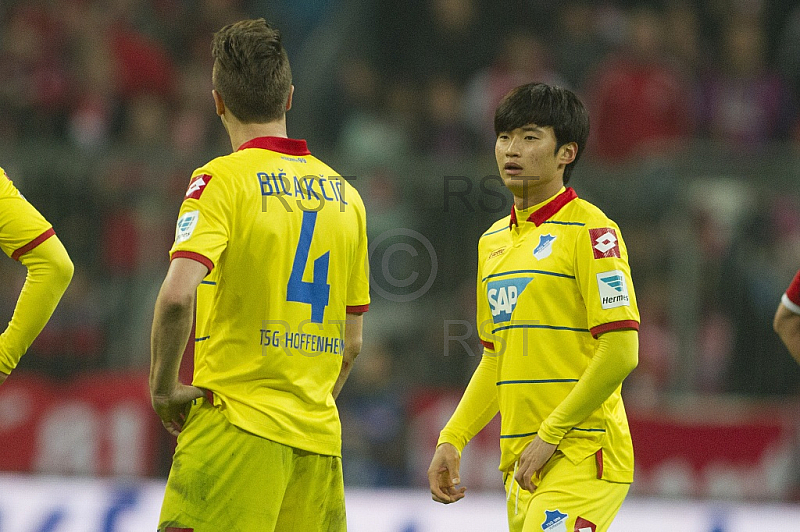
<point>279,144</point>
<point>793,292</point>
<point>613,326</point>
<point>33,243</point>
<point>487,345</point>
<point>598,456</point>
<point>205,261</point>
<point>357,309</point>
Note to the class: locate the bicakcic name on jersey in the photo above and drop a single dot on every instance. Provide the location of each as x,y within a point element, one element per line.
<point>304,342</point>
<point>308,187</point>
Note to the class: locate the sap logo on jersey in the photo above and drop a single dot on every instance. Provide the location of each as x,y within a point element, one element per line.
<point>554,521</point>
<point>186,225</point>
<point>503,295</point>
<point>613,289</point>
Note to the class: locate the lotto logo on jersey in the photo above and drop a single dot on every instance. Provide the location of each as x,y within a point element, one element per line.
<point>503,295</point>
<point>613,289</point>
<point>197,186</point>
<point>604,242</point>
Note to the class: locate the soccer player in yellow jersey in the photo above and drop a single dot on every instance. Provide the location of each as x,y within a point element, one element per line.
<point>273,244</point>
<point>27,237</point>
<point>558,320</point>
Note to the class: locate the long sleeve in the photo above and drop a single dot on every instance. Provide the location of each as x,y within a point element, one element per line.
<point>616,356</point>
<point>477,407</point>
<point>49,273</point>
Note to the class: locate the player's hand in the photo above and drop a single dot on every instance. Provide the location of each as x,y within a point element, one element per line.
<point>443,474</point>
<point>531,461</point>
<point>3,377</point>
<point>173,407</point>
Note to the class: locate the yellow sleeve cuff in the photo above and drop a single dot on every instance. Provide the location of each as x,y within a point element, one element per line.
<point>49,273</point>
<point>616,356</point>
<point>477,407</point>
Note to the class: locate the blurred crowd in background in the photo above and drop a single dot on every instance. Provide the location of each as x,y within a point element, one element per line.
<point>105,110</point>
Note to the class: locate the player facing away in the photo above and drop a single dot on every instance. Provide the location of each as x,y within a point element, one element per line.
<point>558,320</point>
<point>273,244</point>
<point>787,318</point>
<point>27,237</point>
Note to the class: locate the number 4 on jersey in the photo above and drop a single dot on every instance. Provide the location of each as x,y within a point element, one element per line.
<point>317,292</point>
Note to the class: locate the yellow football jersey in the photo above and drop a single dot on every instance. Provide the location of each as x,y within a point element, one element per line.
<point>22,227</point>
<point>548,284</point>
<point>284,238</point>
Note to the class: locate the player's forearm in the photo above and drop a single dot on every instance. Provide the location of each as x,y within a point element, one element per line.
<point>787,325</point>
<point>172,325</point>
<point>353,339</point>
<point>49,273</point>
<point>477,407</point>
<point>616,356</point>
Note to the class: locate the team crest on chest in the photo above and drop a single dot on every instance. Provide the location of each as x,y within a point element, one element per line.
<point>545,246</point>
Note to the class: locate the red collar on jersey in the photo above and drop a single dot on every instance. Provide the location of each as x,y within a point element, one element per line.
<point>547,211</point>
<point>279,144</point>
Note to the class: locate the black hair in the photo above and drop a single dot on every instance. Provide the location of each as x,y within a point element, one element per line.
<point>545,106</point>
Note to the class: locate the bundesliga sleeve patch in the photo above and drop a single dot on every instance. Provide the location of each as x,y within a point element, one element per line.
<point>186,225</point>
<point>197,186</point>
<point>613,289</point>
<point>605,243</point>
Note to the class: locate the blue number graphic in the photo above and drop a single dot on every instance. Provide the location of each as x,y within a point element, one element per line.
<point>317,292</point>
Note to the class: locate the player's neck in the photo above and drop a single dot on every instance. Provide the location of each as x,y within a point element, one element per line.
<point>240,133</point>
<point>535,195</point>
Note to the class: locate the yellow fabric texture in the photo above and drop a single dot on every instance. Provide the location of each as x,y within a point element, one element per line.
<point>283,488</point>
<point>49,273</point>
<point>20,222</point>
<point>568,497</point>
<point>285,239</point>
<point>550,287</point>
<point>27,236</point>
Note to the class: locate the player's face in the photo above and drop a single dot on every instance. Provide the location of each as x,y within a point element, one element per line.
<point>528,161</point>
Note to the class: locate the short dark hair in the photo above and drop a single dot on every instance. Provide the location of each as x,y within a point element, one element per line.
<point>545,106</point>
<point>251,70</point>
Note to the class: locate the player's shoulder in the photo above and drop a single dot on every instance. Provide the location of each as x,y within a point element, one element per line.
<point>7,187</point>
<point>495,234</point>
<point>588,213</point>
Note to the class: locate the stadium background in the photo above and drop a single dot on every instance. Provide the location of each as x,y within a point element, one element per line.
<point>105,110</point>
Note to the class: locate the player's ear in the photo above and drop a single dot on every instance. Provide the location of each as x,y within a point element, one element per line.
<point>567,153</point>
<point>289,99</point>
<point>218,103</point>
